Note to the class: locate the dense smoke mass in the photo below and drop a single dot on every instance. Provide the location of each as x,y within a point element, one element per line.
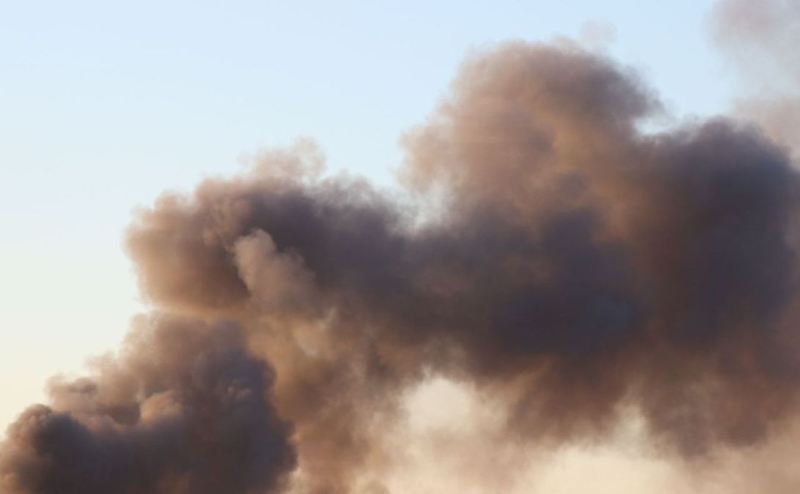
<point>183,409</point>
<point>545,250</point>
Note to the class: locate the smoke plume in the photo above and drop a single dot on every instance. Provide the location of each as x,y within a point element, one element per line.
<point>565,264</point>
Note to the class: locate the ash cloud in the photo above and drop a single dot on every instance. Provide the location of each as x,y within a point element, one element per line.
<point>555,258</point>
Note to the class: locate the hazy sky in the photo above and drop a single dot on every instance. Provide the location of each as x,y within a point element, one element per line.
<point>105,104</point>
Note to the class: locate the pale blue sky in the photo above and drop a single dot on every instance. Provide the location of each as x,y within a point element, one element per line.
<point>105,104</point>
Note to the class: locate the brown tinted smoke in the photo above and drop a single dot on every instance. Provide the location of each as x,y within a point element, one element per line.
<point>183,409</point>
<point>558,258</point>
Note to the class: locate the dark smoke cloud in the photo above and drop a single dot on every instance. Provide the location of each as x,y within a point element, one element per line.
<point>556,258</point>
<point>183,409</point>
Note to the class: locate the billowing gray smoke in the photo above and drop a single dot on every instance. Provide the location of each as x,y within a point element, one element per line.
<point>557,258</point>
<point>183,409</point>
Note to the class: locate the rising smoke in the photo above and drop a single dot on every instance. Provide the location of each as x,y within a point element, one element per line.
<point>555,257</point>
<point>183,409</point>
<point>760,39</point>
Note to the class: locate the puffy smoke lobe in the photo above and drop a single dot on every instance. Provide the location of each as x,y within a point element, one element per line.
<point>557,259</point>
<point>183,409</point>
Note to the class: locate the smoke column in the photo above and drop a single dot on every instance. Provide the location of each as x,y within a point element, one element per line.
<point>545,251</point>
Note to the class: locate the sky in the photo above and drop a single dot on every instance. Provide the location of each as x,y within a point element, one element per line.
<point>104,105</point>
